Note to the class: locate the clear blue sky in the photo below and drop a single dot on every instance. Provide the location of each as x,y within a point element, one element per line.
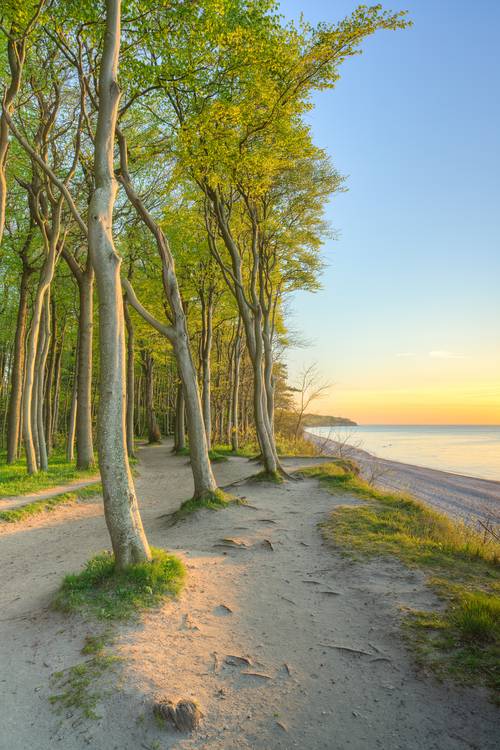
<point>414,123</point>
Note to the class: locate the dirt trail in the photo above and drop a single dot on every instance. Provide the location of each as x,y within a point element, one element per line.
<point>282,601</point>
<point>16,501</point>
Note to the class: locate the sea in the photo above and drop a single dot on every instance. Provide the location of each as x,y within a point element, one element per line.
<point>470,450</point>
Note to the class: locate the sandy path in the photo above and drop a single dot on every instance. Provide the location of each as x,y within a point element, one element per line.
<point>462,497</point>
<point>16,501</point>
<point>280,614</point>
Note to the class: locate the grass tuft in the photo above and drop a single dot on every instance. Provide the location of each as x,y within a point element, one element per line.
<point>111,594</point>
<point>22,512</point>
<point>477,618</point>
<point>464,639</point>
<point>216,500</point>
<point>267,476</point>
<point>94,644</point>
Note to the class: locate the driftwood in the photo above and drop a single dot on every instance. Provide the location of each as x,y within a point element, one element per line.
<point>346,648</point>
<point>237,661</point>
<point>184,715</point>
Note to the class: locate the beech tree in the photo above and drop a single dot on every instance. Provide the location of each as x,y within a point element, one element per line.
<point>120,502</point>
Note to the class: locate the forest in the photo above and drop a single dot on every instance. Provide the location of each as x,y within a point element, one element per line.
<point>161,198</point>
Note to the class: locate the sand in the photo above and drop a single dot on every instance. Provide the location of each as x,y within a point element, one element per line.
<point>462,497</point>
<point>327,666</point>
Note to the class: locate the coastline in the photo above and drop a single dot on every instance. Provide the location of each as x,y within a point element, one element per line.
<point>462,497</point>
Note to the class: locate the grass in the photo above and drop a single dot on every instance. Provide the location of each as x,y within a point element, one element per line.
<point>102,591</point>
<point>464,639</point>
<point>109,594</point>
<point>267,476</point>
<point>22,512</point>
<point>216,457</point>
<point>247,450</point>
<point>80,686</point>
<point>217,454</point>
<point>216,500</point>
<point>285,446</point>
<point>14,479</point>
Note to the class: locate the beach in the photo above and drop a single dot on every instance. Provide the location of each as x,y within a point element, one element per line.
<point>465,498</point>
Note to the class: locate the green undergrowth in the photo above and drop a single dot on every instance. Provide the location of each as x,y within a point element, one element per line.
<point>216,500</point>
<point>217,455</point>
<point>110,594</point>
<point>285,446</point>
<point>22,512</point>
<point>81,686</point>
<point>461,567</point>
<point>295,447</point>
<point>14,480</point>
<point>267,476</point>
<point>247,450</point>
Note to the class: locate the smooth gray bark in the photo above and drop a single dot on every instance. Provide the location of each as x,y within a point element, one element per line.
<point>177,333</point>
<point>154,435</point>
<point>43,346</point>
<point>130,381</point>
<point>180,427</point>
<point>16,51</point>
<point>51,238</point>
<point>84,438</point>
<point>70,442</point>
<point>14,411</point>
<point>206,349</point>
<point>49,379</point>
<point>204,480</point>
<point>121,509</point>
<point>235,389</point>
<point>251,314</point>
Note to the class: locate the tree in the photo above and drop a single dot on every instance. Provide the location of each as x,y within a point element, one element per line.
<point>310,387</point>
<point>120,502</point>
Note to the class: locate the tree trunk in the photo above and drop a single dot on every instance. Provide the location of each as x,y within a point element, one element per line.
<point>268,369</point>
<point>130,382</point>
<point>16,54</point>
<point>121,509</point>
<point>84,440</point>
<point>57,386</point>
<point>70,444</point>
<point>180,428</point>
<point>152,425</point>
<point>29,395</point>
<point>235,395</point>
<point>14,414</point>
<point>206,347</point>
<point>255,348</point>
<point>43,346</point>
<point>204,480</point>
<point>252,315</point>
<point>48,421</point>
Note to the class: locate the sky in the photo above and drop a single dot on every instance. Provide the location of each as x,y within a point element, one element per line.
<point>407,326</point>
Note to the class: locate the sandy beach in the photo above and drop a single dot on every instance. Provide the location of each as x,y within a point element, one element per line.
<point>465,498</point>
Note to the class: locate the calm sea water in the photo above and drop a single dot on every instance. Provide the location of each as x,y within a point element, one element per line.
<point>470,450</point>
